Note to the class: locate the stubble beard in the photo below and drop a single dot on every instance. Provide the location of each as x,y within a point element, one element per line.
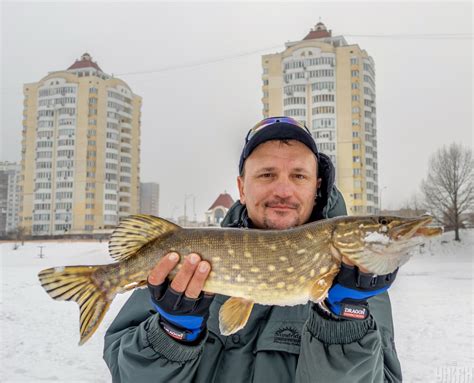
<point>272,224</point>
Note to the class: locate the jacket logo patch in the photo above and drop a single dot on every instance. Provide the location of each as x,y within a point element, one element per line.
<point>287,335</point>
<point>174,334</point>
<point>354,312</point>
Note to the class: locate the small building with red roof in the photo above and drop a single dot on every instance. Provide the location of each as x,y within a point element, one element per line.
<point>216,213</point>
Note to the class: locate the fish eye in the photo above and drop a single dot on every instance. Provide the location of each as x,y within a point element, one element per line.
<point>383,221</point>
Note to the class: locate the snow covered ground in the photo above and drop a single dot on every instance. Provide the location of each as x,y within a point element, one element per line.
<point>432,303</point>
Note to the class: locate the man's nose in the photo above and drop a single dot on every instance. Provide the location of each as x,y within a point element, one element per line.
<point>283,188</point>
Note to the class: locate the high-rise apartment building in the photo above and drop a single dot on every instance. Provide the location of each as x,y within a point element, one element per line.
<point>9,196</point>
<point>80,151</point>
<point>330,86</point>
<point>149,198</point>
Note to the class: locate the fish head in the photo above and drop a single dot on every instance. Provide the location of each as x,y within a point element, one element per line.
<point>381,244</point>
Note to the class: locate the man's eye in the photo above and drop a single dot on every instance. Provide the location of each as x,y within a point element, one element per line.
<point>266,175</point>
<point>300,176</point>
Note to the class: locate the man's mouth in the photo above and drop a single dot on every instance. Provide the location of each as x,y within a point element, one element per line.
<point>284,207</point>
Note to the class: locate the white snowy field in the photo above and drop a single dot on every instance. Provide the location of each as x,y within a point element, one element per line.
<point>432,303</point>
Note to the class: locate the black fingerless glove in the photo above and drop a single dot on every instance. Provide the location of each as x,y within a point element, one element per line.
<point>181,317</point>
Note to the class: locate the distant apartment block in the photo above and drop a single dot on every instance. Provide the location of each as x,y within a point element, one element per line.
<point>329,85</point>
<point>80,151</point>
<point>9,196</point>
<point>150,198</point>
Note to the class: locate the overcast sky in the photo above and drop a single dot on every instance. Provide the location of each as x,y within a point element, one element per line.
<point>194,119</point>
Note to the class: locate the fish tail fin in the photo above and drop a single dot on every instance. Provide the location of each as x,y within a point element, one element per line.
<point>76,283</point>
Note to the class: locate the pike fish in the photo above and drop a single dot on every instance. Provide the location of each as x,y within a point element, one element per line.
<point>269,267</point>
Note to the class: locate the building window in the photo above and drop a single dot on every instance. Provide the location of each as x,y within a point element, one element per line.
<point>295,112</point>
<point>294,100</point>
<point>327,146</point>
<point>321,73</point>
<point>323,123</point>
<point>323,110</point>
<point>294,88</point>
<point>323,98</point>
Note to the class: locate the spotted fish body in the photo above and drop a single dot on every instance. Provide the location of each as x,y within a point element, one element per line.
<point>271,267</point>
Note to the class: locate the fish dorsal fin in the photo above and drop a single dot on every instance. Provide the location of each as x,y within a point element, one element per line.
<point>234,314</point>
<point>135,231</point>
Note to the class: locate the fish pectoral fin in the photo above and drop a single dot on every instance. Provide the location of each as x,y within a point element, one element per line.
<point>133,285</point>
<point>320,287</point>
<point>134,232</point>
<point>234,314</point>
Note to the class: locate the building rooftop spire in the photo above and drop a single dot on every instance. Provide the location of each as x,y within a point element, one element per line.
<point>85,62</point>
<point>319,31</point>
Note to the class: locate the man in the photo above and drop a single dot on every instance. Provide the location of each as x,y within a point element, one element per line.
<point>170,332</point>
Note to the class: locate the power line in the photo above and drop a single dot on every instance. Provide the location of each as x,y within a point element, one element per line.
<point>440,36</point>
<point>199,63</point>
<point>434,36</point>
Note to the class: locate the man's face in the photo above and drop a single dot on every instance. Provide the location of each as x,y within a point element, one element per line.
<point>279,184</point>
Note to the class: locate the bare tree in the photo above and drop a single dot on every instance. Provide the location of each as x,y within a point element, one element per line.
<point>448,189</point>
<point>19,234</point>
<point>414,205</point>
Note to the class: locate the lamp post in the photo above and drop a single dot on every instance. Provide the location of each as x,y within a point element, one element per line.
<point>380,197</point>
<point>186,197</point>
<point>175,207</point>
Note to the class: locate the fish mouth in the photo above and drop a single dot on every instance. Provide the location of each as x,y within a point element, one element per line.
<point>415,227</point>
<point>431,231</point>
